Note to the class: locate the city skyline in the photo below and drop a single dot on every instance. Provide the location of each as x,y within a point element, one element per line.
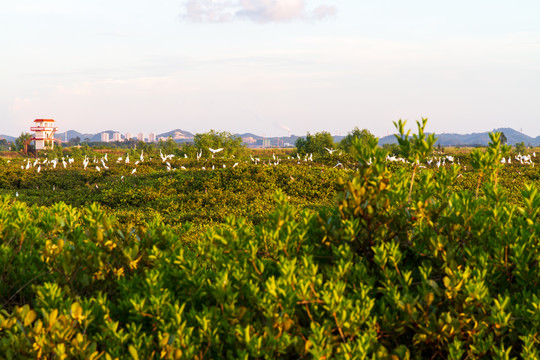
<point>270,67</point>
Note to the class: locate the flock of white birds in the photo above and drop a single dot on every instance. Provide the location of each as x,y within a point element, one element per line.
<point>102,163</point>
<point>99,164</point>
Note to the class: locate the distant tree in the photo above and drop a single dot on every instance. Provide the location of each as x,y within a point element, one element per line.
<point>53,152</point>
<point>347,142</point>
<point>148,148</point>
<point>504,140</point>
<point>75,140</point>
<point>231,144</point>
<point>392,149</point>
<point>22,142</point>
<point>169,146</point>
<point>4,145</point>
<point>314,143</point>
<point>521,148</point>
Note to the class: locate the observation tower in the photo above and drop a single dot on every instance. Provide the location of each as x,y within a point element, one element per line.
<point>44,136</point>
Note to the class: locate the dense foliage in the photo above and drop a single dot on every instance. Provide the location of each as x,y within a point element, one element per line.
<point>230,143</point>
<point>406,263</point>
<point>314,143</point>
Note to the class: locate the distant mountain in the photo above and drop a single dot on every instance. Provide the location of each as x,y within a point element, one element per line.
<point>250,135</point>
<point>178,135</point>
<point>7,137</point>
<point>474,139</point>
<point>72,134</point>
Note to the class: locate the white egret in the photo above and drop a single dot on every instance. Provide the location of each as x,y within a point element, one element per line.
<point>215,151</point>
<point>331,151</point>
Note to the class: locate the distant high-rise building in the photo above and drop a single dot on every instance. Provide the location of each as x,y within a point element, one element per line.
<point>105,137</point>
<point>140,136</point>
<point>128,136</point>
<point>117,137</point>
<point>151,137</point>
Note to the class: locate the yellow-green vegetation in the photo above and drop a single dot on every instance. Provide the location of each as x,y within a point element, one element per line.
<point>376,259</point>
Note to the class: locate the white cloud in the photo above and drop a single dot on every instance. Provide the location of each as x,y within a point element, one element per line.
<point>261,11</point>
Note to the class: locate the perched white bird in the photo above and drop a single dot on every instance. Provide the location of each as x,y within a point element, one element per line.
<point>133,171</point>
<point>235,165</point>
<point>142,156</point>
<point>98,169</point>
<point>39,168</point>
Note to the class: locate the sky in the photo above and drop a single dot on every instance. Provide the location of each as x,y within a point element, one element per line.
<point>270,67</point>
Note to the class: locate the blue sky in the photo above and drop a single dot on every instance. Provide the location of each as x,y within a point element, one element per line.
<point>267,66</point>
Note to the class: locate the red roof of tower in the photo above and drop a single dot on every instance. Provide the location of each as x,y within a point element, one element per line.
<point>43,120</point>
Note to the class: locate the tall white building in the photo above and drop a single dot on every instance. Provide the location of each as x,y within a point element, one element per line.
<point>105,137</point>
<point>151,137</point>
<point>140,136</point>
<point>117,137</point>
<point>45,130</point>
<point>128,136</point>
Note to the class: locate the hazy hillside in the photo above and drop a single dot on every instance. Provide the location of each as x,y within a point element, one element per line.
<point>7,137</point>
<point>178,135</point>
<point>474,139</point>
